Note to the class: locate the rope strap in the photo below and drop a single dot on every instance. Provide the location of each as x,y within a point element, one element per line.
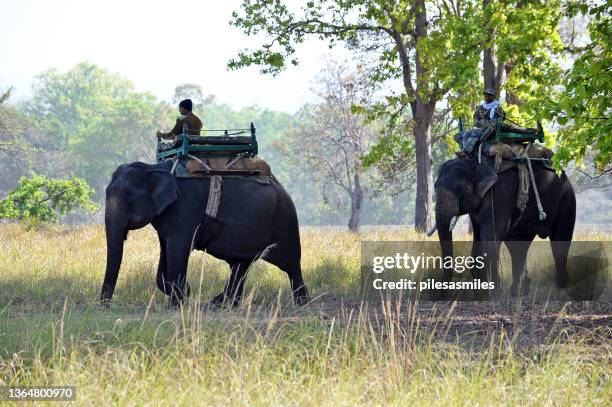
<point>522,195</point>
<point>176,161</point>
<point>541,212</point>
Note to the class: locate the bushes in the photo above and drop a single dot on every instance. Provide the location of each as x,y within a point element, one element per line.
<point>41,199</point>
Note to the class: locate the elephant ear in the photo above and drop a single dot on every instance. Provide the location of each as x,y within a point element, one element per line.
<point>163,188</point>
<point>485,178</point>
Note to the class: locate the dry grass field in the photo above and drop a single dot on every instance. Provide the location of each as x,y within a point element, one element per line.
<point>335,351</point>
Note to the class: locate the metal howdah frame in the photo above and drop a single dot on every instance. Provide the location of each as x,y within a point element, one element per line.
<point>225,145</point>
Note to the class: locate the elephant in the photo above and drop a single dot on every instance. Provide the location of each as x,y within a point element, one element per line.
<point>254,221</point>
<point>465,186</point>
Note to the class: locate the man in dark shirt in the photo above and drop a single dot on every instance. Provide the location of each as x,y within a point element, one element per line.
<point>194,124</point>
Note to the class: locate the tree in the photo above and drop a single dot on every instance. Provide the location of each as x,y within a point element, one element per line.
<point>21,150</point>
<point>521,40</point>
<point>583,108</point>
<point>10,148</point>
<point>432,47</point>
<point>9,129</point>
<point>96,119</point>
<point>330,141</point>
<point>194,92</point>
<point>404,35</point>
<point>41,199</point>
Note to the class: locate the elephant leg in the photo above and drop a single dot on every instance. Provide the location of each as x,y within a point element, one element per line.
<point>489,244</point>
<point>476,248</point>
<point>561,237</point>
<point>518,248</point>
<point>300,292</point>
<point>177,258</point>
<point>292,267</point>
<point>161,267</point>
<point>560,249</point>
<point>493,230</point>
<point>232,293</point>
<point>490,252</point>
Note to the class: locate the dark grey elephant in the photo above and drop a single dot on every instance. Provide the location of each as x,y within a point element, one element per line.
<point>254,221</point>
<point>467,187</point>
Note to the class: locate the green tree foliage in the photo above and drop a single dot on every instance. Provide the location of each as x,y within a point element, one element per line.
<point>96,119</point>
<point>41,199</point>
<point>433,48</point>
<point>584,106</point>
<point>407,40</point>
<point>520,56</point>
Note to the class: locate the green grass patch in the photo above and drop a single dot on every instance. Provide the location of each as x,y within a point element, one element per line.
<point>267,352</point>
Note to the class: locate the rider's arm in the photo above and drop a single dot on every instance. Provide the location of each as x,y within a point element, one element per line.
<point>480,121</point>
<point>177,129</point>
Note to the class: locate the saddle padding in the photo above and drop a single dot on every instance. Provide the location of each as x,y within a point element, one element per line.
<point>507,151</point>
<point>245,163</point>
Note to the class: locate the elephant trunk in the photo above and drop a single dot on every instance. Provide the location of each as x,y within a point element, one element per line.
<point>115,221</point>
<point>447,210</point>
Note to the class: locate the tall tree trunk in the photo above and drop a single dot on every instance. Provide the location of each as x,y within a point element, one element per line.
<point>424,187</point>
<point>422,110</point>
<point>356,201</point>
<point>491,72</point>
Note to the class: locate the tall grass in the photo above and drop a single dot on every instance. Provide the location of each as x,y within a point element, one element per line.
<point>267,351</point>
<point>47,264</point>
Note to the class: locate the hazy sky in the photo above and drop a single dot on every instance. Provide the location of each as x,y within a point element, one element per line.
<point>156,44</point>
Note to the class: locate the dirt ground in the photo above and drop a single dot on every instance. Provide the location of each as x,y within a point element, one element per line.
<point>525,324</point>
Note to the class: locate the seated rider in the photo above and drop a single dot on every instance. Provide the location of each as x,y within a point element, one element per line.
<point>485,115</point>
<point>194,124</point>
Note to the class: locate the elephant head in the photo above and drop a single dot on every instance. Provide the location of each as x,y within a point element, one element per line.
<point>460,187</point>
<point>137,193</point>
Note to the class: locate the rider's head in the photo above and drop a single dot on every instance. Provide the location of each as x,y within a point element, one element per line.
<point>489,95</point>
<point>185,106</point>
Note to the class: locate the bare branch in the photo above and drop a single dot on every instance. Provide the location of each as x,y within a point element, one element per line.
<point>609,170</point>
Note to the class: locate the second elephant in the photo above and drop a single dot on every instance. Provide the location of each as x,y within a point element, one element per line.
<point>469,187</point>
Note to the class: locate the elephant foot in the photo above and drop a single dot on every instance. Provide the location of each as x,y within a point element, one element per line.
<point>482,295</point>
<point>175,302</point>
<point>561,280</point>
<point>521,288</point>
<point>301,297</point>
<point>439,295</point>
<point>177,294</point>
<point>222,300</point>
